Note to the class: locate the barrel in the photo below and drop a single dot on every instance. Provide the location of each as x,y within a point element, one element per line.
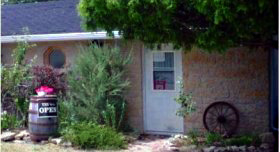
<point>42,118</point>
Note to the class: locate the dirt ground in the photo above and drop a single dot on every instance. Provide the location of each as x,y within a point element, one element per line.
<point>146,144</point>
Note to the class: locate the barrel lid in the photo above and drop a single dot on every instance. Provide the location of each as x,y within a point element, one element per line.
<point>48,96</point>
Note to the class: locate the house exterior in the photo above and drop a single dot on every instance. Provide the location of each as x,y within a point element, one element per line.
<point>240,77</point>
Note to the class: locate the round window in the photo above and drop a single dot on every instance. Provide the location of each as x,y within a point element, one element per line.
<point>57,59</point>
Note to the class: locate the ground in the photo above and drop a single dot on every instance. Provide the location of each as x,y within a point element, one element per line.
<point>147,144</point>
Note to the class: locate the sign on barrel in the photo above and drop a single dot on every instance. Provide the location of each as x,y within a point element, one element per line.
<point>47,109</point>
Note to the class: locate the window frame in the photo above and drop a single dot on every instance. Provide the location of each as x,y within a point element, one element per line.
<point>47,54</point>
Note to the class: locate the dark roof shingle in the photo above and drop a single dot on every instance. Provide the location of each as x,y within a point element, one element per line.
<point>41,18</point>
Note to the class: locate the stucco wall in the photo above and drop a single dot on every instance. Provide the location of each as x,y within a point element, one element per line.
<point>239,77</point>
<point>69,48</point>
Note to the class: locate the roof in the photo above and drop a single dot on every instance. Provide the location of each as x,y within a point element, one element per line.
<point>50,17</point>
<point>60,37</point>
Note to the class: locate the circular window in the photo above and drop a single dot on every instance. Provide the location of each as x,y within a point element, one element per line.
<point>57,59</point>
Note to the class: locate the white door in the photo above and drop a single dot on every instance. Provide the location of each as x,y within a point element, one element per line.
<point>162,71</point>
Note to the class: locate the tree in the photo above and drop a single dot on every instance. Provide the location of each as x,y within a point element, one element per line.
<point>208,24</point>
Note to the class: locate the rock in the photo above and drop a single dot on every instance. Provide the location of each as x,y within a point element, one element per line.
<point>251,148</point>
<point>209,149</point>
<point>267,137</point>
<point>242,148</point>
<point>219,149</point>
<point>265,146</point>
<point>8,136</point>
<point>67,144</point>
<point>234,148</point>
<point>21,135</point>
<point>19,141</point>
<point>190,148</point>
<point>56,141</point>
<point>43,142</point>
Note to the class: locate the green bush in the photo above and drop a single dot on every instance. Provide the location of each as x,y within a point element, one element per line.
<point>193,134</point>
<point>16,81</point>
<point>212,137</point>
<point>243,140</point>
<point>89,135</point>
<point>96,87</point>
<point>9,121</point>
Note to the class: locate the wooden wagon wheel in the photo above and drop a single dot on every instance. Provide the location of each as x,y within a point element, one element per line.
<point>221,117</point>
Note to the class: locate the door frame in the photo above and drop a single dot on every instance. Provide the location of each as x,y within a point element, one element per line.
<point>144,49</point>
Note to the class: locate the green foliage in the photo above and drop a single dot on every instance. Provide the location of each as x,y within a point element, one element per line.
<point>186,102</point>
<point>9,121</point>
<point>15,80</point>
<point>243,140</point>
<point>193,135</point>
<point>89,135</point>
<point>213,137</point>
<point>213,25</point>
<point>96,87</point>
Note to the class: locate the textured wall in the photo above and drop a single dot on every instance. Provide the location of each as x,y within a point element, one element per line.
<point>134,94</point>
<point>239,77</point>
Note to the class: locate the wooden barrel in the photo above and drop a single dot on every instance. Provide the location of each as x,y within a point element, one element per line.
<point>42,118</point>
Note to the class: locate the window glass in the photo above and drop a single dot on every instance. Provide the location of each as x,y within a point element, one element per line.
<point>57,59</point>
<point>163,71</point>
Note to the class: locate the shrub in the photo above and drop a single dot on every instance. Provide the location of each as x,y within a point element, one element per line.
<point>243,140</point>
<point>15,81</point>
<point>186,102</point>
<point>48,76</point>
<point>213,137</point>
<point>9,121</point>
<point>96,86</point>
<point>89,135</point>
<point>193,134</point>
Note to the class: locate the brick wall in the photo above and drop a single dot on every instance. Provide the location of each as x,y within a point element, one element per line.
<point>134,94</point>
<point>240,77</point>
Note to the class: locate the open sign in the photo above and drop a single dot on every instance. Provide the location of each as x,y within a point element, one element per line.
<point>47,109</point>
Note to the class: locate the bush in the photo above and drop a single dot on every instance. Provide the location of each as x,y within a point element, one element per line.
<point>89,135</point>
<point>193,134</point>
<point>213,137</point>
<point>15,82</point>
<point>96,87</point>
<point>9,121</point>
<point>243,140</point>
<point>48,76</point>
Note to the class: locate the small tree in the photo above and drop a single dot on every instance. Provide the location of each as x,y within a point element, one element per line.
<point>15,81</point>
<point>96,86</point>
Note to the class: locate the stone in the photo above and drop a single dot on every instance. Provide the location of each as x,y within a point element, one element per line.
<point>267,137</point>
<point>19,141</point>
<point>209,149</point>
<point>190,148</point>
<point>8,136</point>
<point>234,148</point>
<point>251,148</point>
<point>21,135</point>
<point>67,144</point>
<point>265,146</point>
<point>56,141</point>
<point>43,142</point>
<point>242,148</point>
<point>219,149</point>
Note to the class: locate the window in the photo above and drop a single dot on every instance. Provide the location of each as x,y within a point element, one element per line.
<point>163,71</point>
<point>54,57</point>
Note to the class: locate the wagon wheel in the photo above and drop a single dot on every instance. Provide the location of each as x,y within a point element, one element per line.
<point>221,117</point>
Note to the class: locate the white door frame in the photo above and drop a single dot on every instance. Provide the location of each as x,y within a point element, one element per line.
<point>144,93</point>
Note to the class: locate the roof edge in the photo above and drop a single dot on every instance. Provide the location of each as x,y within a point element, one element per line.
<point>59,37</point>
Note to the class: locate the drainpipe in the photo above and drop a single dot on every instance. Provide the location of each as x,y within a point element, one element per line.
<point>274,87</point>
